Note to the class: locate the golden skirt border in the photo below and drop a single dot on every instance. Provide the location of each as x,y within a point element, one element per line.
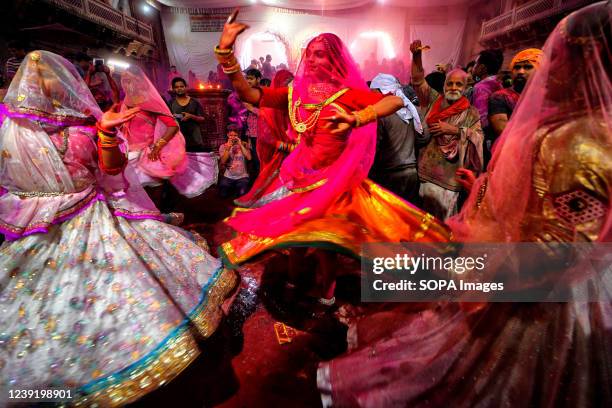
<point>168,359</point>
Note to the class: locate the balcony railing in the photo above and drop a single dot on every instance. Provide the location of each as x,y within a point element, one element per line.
<point>525,14</point>
<point>107,16</point>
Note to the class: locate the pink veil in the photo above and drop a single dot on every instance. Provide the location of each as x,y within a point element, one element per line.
<point>140,92</point>
<point>72,102</point>
<point>573,82</point>
<point>273,123</point>
<point>46,95</point>
<point>297,172</point>
<point>30,110</point>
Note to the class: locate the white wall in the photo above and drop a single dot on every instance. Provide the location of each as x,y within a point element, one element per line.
<point>440,27</point>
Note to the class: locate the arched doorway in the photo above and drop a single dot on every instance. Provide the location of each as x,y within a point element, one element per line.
<point>265,43</point>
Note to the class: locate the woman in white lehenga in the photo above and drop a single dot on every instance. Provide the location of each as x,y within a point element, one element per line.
<point>157,147</point>
<point>96,294</point>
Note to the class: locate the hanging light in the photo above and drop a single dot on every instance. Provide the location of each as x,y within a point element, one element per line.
<point>117,63</point>
<point>146,8</point>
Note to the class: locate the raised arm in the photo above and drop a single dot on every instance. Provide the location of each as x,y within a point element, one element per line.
<point>418,74</point>
<point>90,71</point>
<point>225,55</point>
<point>225,153</point>
<point>110,157</point>
<point>245,150</point>
<point>112,84</point>
<point>417,71</point>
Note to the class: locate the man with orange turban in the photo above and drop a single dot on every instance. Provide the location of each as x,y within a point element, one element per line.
<point>503,102</point>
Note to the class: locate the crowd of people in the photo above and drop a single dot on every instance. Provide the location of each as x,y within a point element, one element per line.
<point>321,162</point>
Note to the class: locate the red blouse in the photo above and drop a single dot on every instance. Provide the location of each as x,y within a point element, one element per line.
<point>167,120</point>
<point>321,148</point>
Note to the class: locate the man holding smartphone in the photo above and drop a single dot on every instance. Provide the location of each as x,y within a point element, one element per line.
<point>234,153</point>
<point>189,114</point>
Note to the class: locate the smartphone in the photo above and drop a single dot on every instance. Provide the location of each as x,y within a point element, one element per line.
<point>98,63</point>
<point>178,116</point>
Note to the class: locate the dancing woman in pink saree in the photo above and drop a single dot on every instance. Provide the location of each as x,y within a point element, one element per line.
<point>322,197</point>
<point>156,146</point>
<point>515,354</point>
<point>98,296</point>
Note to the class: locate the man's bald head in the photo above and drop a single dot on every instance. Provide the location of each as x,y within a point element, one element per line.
<point>458,73</point>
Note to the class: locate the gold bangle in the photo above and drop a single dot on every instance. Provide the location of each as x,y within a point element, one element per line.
<point>229,62</point>
<point>226,58</point>
<point>365,116</point>
<point>219,51</point>
<point>107,145</point>
<point>106,131</point>
<point>161,142</point>
<point>105,140</point>
<point>106,136</point>
<point>232,70</point>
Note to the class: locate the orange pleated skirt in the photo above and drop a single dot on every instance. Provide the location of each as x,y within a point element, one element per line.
<point>366,214</point>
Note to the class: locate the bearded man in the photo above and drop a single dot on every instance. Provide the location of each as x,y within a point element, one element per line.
<point>502,103</point>
<point>455,139</point>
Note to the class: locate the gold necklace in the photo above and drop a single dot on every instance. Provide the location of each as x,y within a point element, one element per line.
<point>300,125</point>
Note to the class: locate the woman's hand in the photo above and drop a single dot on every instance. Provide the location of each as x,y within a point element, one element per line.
<point>231,30</point>
<point>339,122</point>
<point>155,153</point>
<point>466,178</point>
<point>111,118</point>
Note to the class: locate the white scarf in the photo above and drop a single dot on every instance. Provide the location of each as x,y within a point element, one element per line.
<point>388,84</point>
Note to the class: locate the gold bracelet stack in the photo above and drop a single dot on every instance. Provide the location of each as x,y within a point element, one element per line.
<point>107,139</point>
<point>365,116</point>
<point>228,61</point>
<point>161,142</point>
<point>219,51</point>
<point>233,69</point>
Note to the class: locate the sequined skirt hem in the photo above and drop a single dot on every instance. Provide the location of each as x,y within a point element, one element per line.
<point>179,349</point>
